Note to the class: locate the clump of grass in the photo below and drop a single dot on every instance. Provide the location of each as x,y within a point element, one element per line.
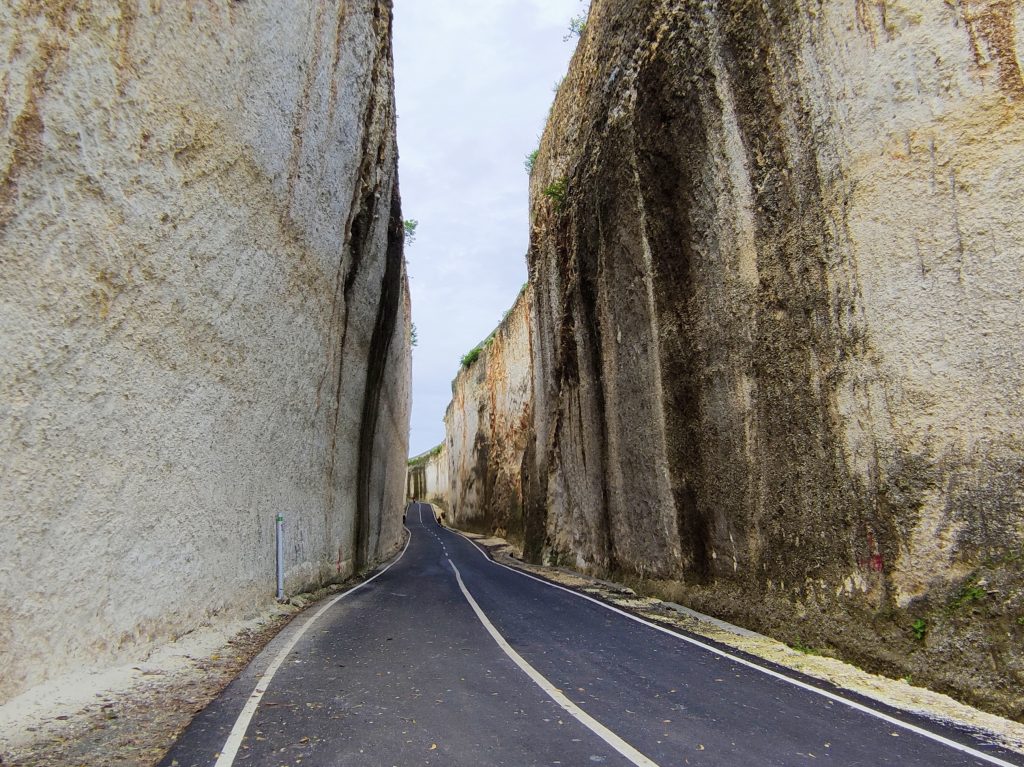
<point>409,225</point>
<point>556,192</point>
<point>577,26</point>
<point>530,161</point>
<point>920,628</point>
<point>474,354</point>
<point>805,649</point>
<point>972,592</point>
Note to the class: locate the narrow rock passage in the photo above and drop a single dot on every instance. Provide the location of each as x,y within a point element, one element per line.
<point>404,672</point>
<point>401,673</point>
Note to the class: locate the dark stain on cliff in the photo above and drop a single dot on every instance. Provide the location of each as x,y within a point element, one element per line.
<point>535,516</point>
<point>990,25</point>
<point>691,135</point>
<point>362,211</point>
<point>671,154</point>
<point>380,345</point>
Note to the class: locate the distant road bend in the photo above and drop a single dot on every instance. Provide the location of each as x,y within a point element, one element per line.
<point>447,658</point>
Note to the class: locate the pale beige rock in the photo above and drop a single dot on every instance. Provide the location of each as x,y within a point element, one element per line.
<point>487,429</point>
<point>427,478</point>
<point>204,319</point>
<point>777,263</point>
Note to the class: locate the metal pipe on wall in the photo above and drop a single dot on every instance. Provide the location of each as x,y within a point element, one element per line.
<point>280,557</point>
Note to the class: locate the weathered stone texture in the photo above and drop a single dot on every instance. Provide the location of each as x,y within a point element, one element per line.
<point>204,315</point>
<point>427,478</point>
<point>487,428</point>
<point>778,368</point>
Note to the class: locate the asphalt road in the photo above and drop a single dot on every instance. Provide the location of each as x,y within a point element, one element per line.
<point>446,658</point>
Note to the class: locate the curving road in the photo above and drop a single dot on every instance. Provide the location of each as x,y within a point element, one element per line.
<point>446,658</point>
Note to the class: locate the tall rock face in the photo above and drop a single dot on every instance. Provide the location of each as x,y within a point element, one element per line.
<point>777,261</point>
<point>488,428</point>
<point>204,316</point>
<point>427,478</point>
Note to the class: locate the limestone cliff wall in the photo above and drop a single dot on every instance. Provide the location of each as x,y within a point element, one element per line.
<point>487,429</point>
<point>203,316</point>
<point>777,259</point>
<point>427,479</point>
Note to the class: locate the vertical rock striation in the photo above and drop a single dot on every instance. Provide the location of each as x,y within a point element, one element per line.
<point>777,258</point>
<point>204,316</point>
<point>487,429</point>
<point>427,479</point>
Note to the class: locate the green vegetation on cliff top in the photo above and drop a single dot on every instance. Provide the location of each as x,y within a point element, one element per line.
<point>474,354</point>
<point>531,160</point>
<point>422,458</point>
<point>409,225</point>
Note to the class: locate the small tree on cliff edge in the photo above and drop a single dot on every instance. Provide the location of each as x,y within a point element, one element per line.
<point>577,26</point>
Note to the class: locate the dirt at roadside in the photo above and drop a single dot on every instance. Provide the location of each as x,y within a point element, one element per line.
<point>139,726</point>
<point>896,693</point>
<point>135,725</point>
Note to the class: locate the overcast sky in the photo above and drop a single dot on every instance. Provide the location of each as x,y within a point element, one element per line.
<point>474,82</point>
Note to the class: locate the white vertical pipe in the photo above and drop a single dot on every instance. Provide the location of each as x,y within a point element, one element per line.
<point>280,557</point>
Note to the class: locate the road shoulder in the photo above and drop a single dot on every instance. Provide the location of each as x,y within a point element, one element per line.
<point>897,694</point>
<point>131,715</point>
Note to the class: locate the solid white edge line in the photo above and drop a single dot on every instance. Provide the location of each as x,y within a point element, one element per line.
<point>227,754</point>
<point>553,692</point>
<point>770,672</point>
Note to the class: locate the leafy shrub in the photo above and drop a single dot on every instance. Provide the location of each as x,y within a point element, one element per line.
<point>920,628</point>
<point>556,191</point>
<point>530,161</point>
<point>472,355</point>
<point>577,26</point>
<point>410,225</point>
